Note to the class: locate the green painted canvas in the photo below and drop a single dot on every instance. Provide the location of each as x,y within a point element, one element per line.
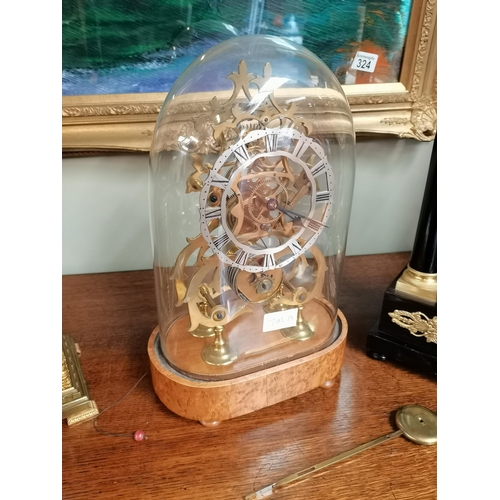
<point>125,46</point>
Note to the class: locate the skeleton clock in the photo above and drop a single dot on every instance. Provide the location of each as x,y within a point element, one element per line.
<point>251,177</point>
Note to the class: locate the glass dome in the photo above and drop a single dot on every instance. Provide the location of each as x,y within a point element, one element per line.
<point>251,179</point>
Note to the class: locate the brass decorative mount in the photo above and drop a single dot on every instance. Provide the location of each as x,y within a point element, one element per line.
<point>77,406</point>
<point>418,284</point>
<point>417,323</point>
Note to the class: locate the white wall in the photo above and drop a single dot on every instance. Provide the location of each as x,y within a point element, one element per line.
<point>105,222</point>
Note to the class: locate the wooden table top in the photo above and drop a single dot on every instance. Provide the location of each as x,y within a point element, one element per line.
<point>111,317</point>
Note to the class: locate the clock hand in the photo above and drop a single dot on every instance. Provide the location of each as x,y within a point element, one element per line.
<point>272,205</point>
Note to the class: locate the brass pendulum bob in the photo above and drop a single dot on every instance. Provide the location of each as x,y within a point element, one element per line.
<point>218,352</point>
<point>203,331</point>
<point>415,422</point>
<point>302,331</point>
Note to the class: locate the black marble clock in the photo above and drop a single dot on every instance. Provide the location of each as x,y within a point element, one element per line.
<point>406,331</point>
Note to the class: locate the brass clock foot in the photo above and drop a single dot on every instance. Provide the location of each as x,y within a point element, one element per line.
<point>218,353</point>
<point>270,308</point>
<point>302,331</point>
<point>203,332</point>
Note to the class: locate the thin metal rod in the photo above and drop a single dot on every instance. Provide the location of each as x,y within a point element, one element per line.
<point>267,490</point>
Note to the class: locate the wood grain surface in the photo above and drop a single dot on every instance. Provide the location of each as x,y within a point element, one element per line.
<point>216,401</point>
<point>111,317</point>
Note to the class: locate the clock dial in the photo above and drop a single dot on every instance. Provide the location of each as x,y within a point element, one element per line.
<point>271,193</point>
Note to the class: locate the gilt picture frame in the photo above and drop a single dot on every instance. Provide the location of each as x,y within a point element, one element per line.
<point>107,123</point>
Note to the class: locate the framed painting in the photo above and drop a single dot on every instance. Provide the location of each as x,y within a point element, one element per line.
<point>121,57</point>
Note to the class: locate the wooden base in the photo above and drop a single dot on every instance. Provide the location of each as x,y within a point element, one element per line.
<point>211,402</point>
<point>253,350</point>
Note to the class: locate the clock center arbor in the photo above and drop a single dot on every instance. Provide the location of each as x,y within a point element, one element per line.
<point>251,180</point>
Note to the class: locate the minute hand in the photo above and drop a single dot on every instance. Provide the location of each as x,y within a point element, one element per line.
<point>313,222</point>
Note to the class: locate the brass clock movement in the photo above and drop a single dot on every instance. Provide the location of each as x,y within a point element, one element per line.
<point>251,175</point>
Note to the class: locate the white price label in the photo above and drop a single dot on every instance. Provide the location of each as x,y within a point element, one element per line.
<point>364,61</point>
<point>280,319</point>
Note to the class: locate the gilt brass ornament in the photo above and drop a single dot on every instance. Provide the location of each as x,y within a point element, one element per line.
<point>77,407</point>
<point>417,323</point>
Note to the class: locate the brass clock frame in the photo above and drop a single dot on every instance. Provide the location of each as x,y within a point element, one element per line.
<point>218,130</point>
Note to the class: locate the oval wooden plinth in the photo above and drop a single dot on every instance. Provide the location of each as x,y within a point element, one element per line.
<point>214,401</point>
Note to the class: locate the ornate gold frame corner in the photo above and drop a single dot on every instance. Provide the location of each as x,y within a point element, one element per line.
<point>406,109</point>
